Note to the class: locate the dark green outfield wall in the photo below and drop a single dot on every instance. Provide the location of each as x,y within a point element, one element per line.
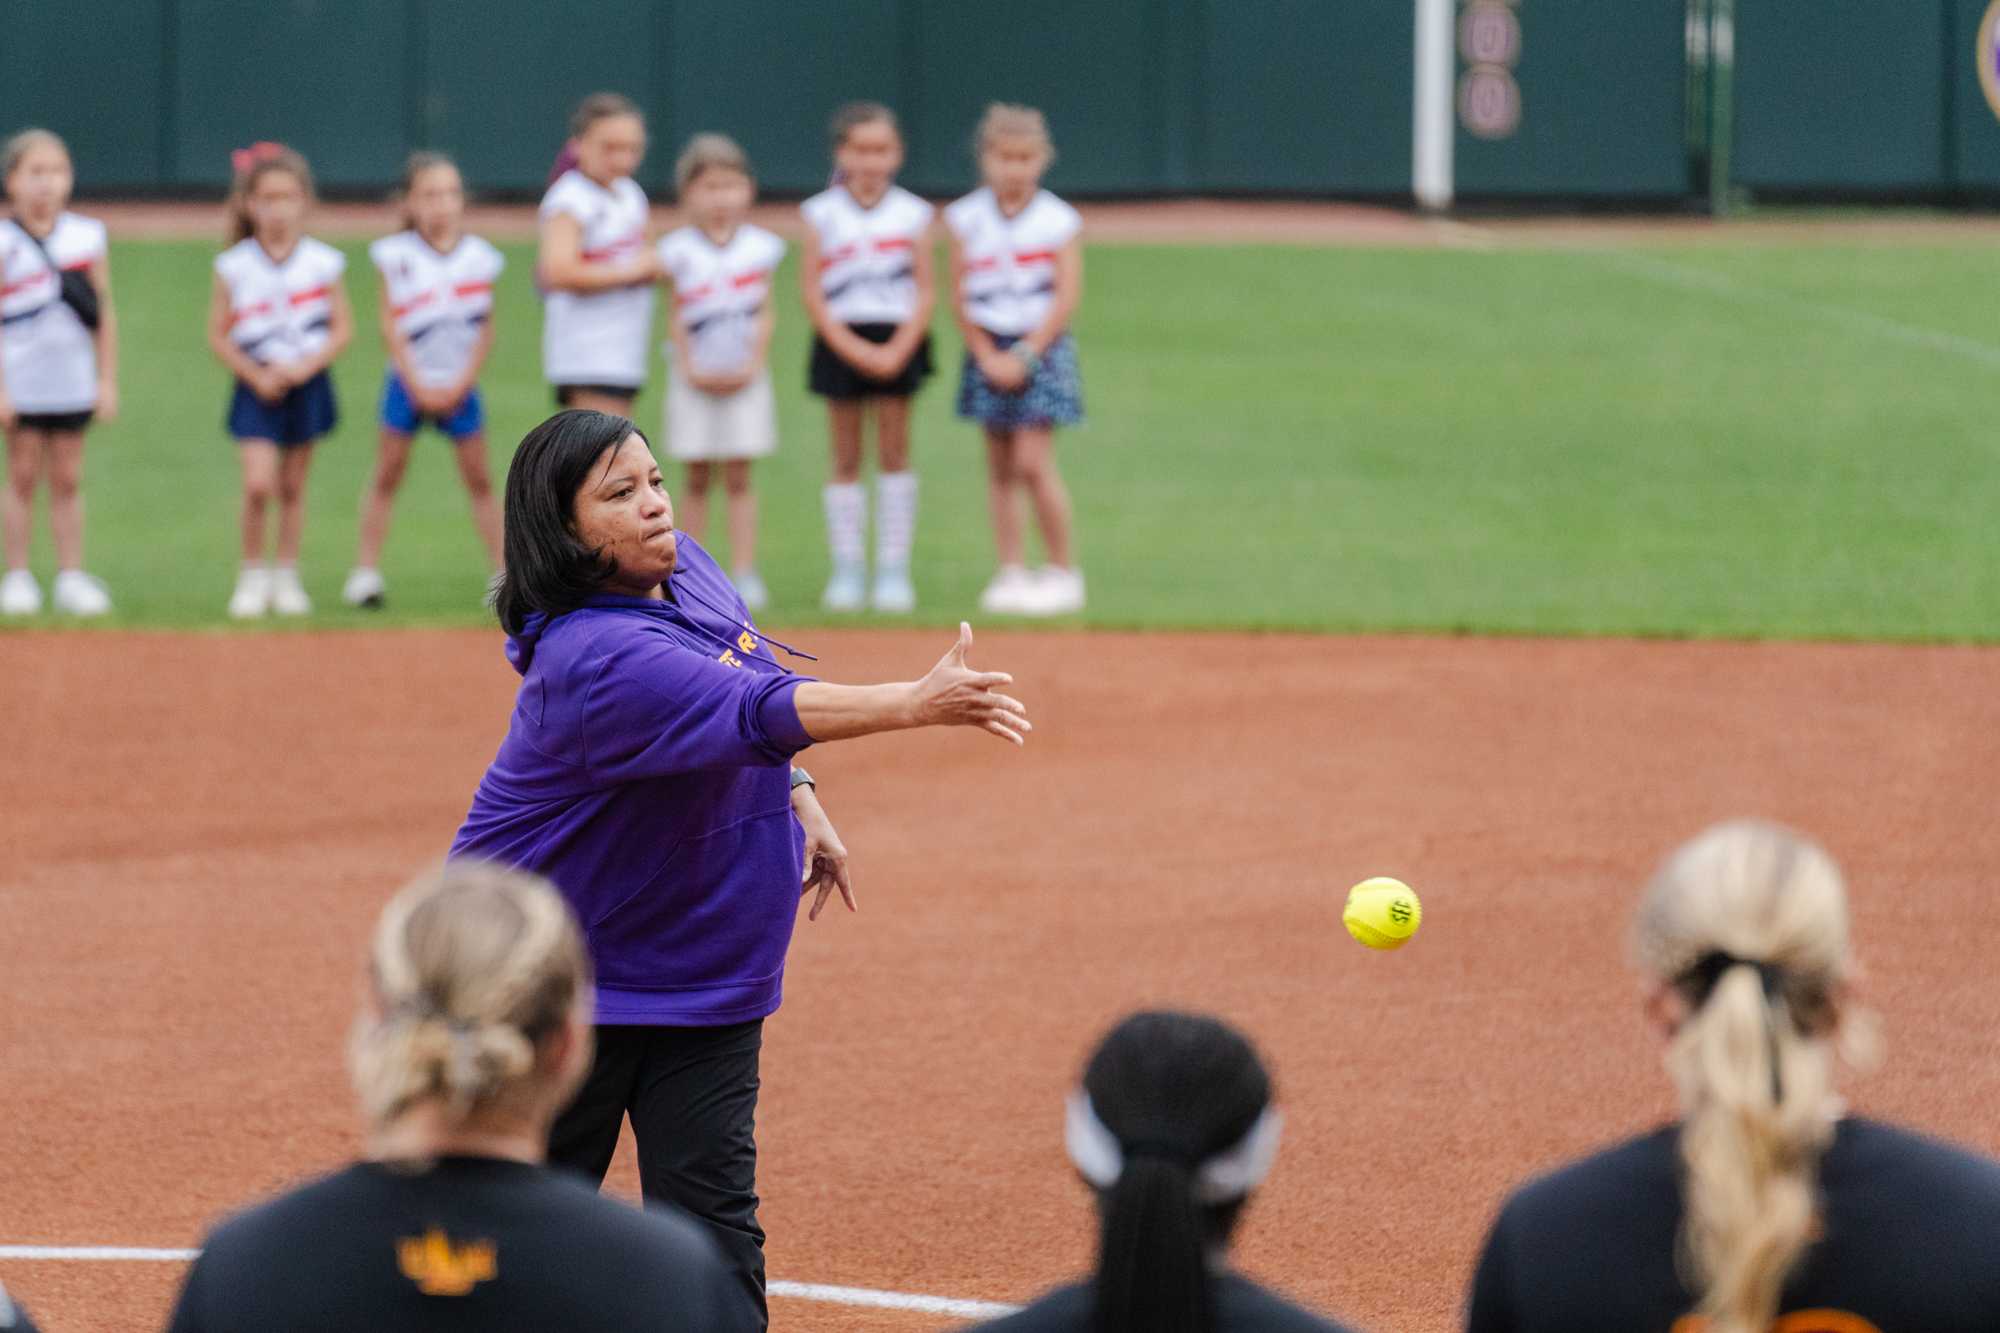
<point>1145,95</point>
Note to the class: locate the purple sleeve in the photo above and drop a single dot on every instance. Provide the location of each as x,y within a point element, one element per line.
<point>656,708</point>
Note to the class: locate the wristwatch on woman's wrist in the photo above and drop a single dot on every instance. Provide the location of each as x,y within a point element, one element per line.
<point>801,778</point>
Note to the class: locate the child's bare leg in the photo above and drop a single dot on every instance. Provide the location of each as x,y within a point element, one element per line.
<point>478,479</point>
<point>260,483</point>
<point>392,456</point>
<point>25,450</point>
<point>1002,497</point>
<point>892,434</point>
<point>66,496</point>
<point>691,505</point>
<point>742,503</point>
<point>292,467</point>
<point>843,421</point>
<point>609,403</point>
<point>1035,463</point>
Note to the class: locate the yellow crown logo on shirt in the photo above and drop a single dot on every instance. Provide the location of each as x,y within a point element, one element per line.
<point>440,1268</point>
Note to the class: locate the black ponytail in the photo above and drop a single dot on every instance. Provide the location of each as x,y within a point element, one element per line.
<point>1174,1090</point>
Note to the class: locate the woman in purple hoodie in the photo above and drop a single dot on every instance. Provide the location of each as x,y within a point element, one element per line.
<point>647,771</point>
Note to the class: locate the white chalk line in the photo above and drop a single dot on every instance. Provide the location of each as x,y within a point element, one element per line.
<point>865,1297</point>
<point>1671,274</point>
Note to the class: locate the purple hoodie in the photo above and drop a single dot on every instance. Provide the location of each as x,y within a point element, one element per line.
<point>647,772</point>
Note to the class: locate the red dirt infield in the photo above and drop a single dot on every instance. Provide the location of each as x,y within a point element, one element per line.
<point>197,830</point>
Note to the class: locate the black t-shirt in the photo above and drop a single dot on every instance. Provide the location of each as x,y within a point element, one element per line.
<point>467,1244</point>
<point>1241,1306</point>
<point>1910,1241</point>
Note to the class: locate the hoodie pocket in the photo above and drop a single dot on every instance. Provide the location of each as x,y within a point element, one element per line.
<point>718,911</point>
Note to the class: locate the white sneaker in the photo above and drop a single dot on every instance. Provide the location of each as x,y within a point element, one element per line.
<point>364,588</point>
<point>252,597</point>
<point>751,589</point>
<point>894,593</point>
<point>288,595</point>
<point>20,595</point>
<point>80,594</point>
<point>1007,592</point>
<point>1057,592</point>
<point>847,590</point>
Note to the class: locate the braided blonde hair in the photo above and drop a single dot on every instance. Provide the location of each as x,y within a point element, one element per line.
<point>1749,921</point>
<point>472,966</point>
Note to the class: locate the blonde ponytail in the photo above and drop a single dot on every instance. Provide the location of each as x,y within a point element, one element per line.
<point>471,966</point>
<point>1749,923</point>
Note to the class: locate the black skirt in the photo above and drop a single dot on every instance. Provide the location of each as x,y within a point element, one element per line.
<point>831,377</point>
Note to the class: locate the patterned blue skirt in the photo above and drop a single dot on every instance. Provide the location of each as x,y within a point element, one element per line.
<point>1054,397</point>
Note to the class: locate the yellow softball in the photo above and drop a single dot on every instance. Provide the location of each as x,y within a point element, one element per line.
<point>1382,913</point>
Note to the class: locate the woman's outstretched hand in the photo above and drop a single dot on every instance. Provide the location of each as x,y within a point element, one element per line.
<point>954,695</point>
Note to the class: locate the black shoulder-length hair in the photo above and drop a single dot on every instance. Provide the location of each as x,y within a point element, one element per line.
<point>548,569</point>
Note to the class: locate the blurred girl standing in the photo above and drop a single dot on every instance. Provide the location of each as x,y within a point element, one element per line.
<point>720,408</point>
<point>595,267</point>
<point>58,367</point>
<point>278,318</point>
<point>866,272</point>
<point>437,322</point>
<point>1017,266</point>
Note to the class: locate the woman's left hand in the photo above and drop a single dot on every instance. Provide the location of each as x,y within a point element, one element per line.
<point>826,855</point>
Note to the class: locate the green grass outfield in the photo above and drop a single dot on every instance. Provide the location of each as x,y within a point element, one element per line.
<point>1714,440</point>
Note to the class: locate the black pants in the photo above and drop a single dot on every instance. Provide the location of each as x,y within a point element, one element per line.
<point>692,1096</point>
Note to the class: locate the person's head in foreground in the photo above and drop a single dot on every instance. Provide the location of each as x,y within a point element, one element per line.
<point>1174,1126</point>
<point>477,1027</point>
<point>1742,936</point>
<point>1764,1200</point>
<point>474,1032</point>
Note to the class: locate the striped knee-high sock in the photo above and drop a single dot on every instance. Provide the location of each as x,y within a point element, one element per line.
<point>847,524</point>
<point>895,519</point>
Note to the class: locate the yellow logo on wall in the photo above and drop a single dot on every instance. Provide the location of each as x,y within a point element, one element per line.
<point>1988,56</point>
<point>440,1268</point>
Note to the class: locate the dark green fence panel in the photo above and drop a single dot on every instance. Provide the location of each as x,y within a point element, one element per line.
<point>1974,120</point>
<point>1306,96</point>
<point>1093,69</point>
<point>326,76</point>
<point>1840,95</point>
<point>1602,96</point>
<point>496,82</point>
<point>771,73</point>
<point>97,84</point>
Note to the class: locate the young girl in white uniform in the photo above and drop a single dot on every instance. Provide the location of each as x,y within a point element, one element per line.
<point>277,319</point>
<point>866,273</point>
<point>720,408</point>
<point>437,322</point>
<point>58,370</point>
<point>1017,266</point>
<point>595,268</point>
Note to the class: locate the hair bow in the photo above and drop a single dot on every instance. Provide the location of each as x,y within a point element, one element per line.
<point>242,159</point>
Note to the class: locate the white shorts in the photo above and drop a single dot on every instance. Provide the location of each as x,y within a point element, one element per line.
<point>702,427</point>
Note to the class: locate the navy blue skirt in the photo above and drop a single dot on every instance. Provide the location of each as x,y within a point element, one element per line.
<point>1053,397</point>
<point>299,418</point>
